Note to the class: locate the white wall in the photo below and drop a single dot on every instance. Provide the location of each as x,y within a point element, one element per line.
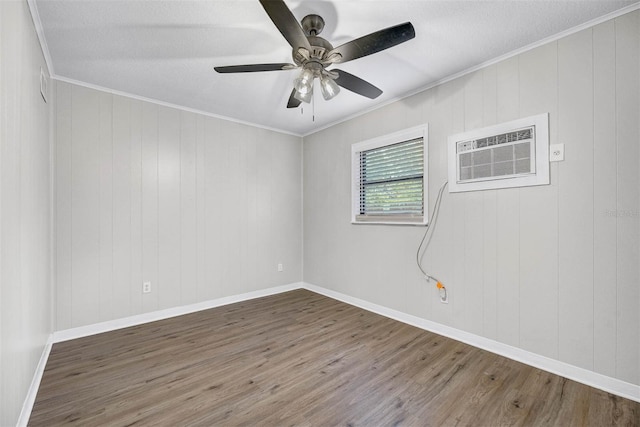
<point>201,207</point>
<point>554,269</point>
<point>25,271</point>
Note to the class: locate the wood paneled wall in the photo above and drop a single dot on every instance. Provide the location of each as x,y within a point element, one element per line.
<point>551,269</point>
<point>201,207</point>
<point>25,209</point>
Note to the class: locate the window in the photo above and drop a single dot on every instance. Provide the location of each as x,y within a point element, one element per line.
<point>389,178</point>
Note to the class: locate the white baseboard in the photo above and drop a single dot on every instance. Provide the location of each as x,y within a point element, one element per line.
<point>111,325</point>
<point>30,399</point>
<point>584,376</point>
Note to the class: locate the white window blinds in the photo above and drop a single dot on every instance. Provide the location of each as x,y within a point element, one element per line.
<point>391,181</point>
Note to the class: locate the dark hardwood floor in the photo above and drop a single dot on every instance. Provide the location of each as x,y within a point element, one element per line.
<point>299,358</point>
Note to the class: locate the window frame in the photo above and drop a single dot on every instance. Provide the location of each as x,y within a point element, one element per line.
<point>421,131</point>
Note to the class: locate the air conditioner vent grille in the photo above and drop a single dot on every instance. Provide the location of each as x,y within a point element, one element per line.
<point>500,156</point>
<point>496,162</point>
<point>489,141</point>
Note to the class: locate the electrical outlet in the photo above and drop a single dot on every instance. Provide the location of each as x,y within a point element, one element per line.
<point>444,295</point>
<point>146,287</point>
<point>280,267</point>
<point>556,152</point>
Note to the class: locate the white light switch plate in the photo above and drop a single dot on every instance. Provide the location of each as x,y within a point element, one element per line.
<point>556,152</point>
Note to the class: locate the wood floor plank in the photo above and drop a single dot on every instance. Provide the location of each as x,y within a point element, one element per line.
<point>302,359</point>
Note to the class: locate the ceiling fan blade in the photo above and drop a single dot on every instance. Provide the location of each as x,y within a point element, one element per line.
<point>356,84</point>
<point>253,68</point>
<point>288,25</point>
<point>293,101</point>
<point>372,43</point>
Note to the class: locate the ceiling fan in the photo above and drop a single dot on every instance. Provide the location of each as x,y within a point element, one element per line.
<point>313,54</point>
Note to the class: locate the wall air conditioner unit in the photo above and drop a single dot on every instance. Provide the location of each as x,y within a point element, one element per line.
<point>513,154</point>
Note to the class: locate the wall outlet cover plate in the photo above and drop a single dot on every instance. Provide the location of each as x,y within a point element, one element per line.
<point>556,152</point>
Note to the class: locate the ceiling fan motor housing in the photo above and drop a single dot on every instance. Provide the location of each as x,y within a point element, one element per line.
<point>312,26</point>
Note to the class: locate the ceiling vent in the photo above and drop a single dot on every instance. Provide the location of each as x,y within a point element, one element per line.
<point>512,154</point>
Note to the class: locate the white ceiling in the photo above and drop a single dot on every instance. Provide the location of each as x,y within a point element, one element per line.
<point>165,50</point>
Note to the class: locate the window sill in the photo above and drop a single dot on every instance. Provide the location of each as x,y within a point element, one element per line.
<point>390,220</point>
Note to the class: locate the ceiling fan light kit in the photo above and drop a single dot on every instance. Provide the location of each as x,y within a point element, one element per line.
<point>304,83</point>
<point>329,87</point>
<point>313,54</point>
<point>303,96</point>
